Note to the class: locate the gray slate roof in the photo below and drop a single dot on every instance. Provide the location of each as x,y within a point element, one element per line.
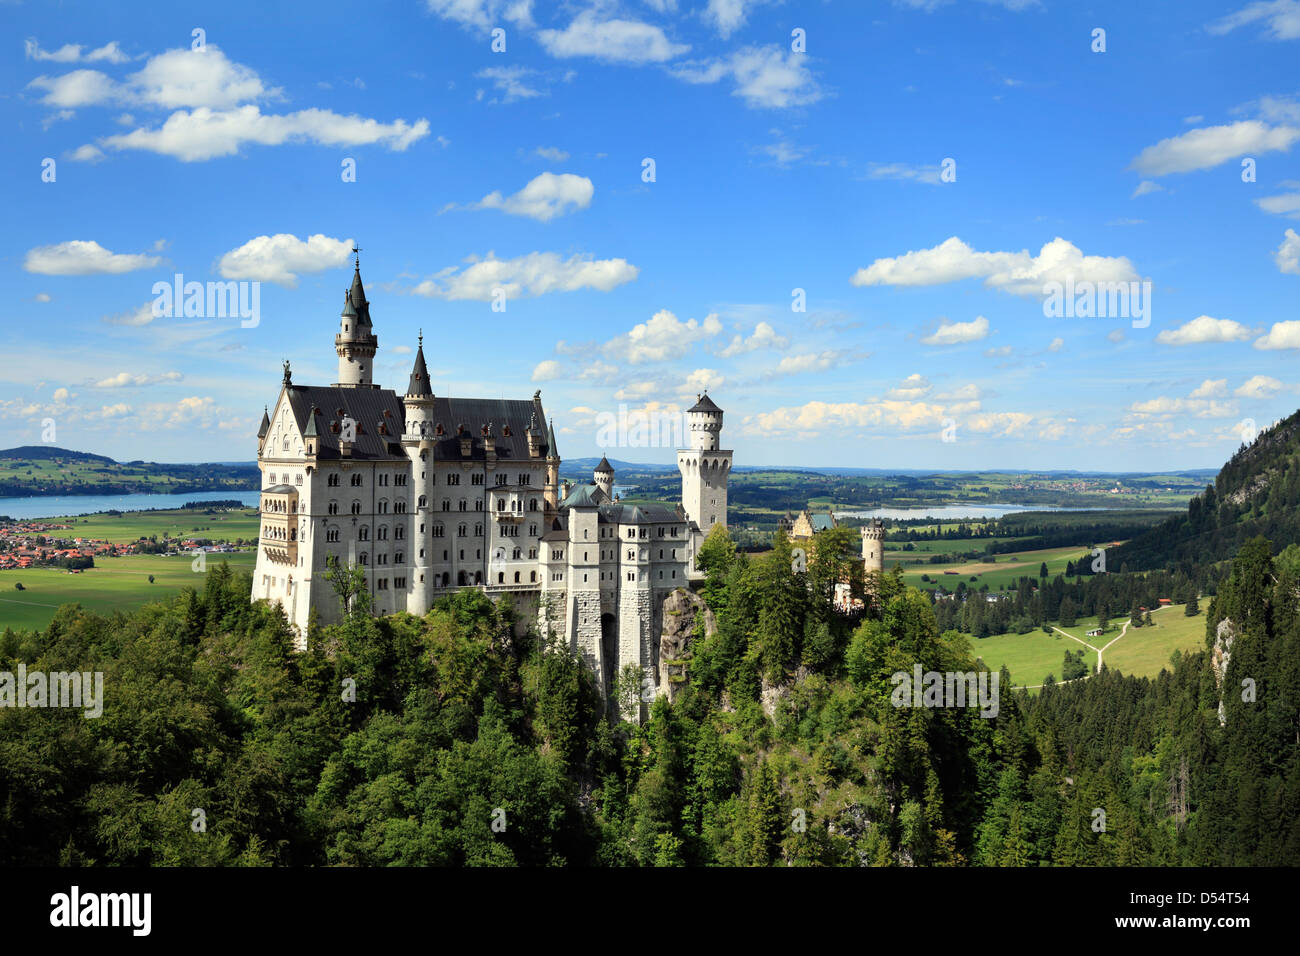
<point>368,405</point>
<point>705,404</point>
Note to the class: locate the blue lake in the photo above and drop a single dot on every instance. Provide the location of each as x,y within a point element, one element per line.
<point>58,505</point>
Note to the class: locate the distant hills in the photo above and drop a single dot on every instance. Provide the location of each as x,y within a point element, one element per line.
<point>44,470</point>
<point>1256,493</point>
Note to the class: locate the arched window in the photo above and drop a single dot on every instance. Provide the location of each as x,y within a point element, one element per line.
<point>364,533</point>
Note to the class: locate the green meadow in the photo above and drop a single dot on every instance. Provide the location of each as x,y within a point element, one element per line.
<point>115,584</point>
<point>1142,652</point>
<point>175,523</point>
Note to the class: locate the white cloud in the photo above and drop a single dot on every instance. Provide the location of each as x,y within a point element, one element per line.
<point>1283,335</point>
<point>1259,386</point>
<point>1015,272</point>
<point>1146,186</point>
<point>1282,18</point>
<point>727,16</point>
<point>1208,147</point>
<point>814,362</point>
<point>483,14</point>
<point>1056,344</point>
<point>553,153</point>
<point>534,274</point>
<point>614,40</point>
<point>82,258</point>
<point>764,337</point>
<point>42,297</point>
<point>662,338</point>
<point>124,379</point>
<point>1287,256</point>
<point>76,89</point>
<point>1211,388</point>
<point>905,172</point>
<point>281,257</point>
<point>1204,329</point>
<point>142,315</point>
<point>764,77</point>
<point>1286,204</point>
<point>547,371</point>
<point>60,395</point>
<point>955,333</point>
<point>509,81</point>
<point>71,53</point>
<point>170,80</point>
<point>998,351</point>
<point>914,386</point>
<point>545,197</point>
<point>205,133</point>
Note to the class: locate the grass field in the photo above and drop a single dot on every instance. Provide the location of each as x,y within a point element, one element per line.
<point>1142,652</point>
<point>116,584</point>
<point>177,523</point>
<point>1030,657</point>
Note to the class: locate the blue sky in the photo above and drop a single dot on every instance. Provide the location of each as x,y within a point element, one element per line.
<point>774,170</point>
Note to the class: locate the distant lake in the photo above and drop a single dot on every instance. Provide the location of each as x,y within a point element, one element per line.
<point>947,512</point>
<point>58,505</point>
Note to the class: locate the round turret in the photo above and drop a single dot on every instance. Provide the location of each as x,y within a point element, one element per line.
<point>705,421</point>
<point>604,476</point>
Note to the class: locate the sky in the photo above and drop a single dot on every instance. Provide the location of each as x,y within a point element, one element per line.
<point>843,219</point>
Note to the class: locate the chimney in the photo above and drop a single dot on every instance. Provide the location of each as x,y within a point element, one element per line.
<point>489,443</point>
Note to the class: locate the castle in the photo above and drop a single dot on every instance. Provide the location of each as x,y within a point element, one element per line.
<point>429,494</point>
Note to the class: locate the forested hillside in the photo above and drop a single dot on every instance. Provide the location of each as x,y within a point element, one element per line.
<point>1256,493</point>
<point>464,746</point>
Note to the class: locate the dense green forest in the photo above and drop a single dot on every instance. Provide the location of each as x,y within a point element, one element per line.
<point>464,746</point>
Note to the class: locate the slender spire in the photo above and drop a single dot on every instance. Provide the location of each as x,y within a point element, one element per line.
<point>551,448</point>
<point>266,424</point>
<point>420,375</point>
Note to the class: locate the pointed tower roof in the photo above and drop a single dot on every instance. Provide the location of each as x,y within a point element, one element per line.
<point>551,448</point>
<point>419,374</point>
<point>310,430</point>
<point>704,404</point>
<point>266,424</point>
<point>354,301</point>
<point>604,467</point>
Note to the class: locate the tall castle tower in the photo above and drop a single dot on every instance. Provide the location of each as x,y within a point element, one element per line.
<point>873,546</point>
<point>356,342</point>
<point>705,467</point>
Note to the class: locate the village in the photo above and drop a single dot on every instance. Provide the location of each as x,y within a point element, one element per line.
<point>38,543</point>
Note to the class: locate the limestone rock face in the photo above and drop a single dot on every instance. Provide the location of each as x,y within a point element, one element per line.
<point>1221,654</point>
<point>676,644</point>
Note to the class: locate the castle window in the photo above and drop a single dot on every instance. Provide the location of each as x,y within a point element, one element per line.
<point>446,505</point>
<point>460,531</point>
<point>476,479</point>
<point>363,533</point>
<point>400,558</point>
<point>462,505</point>
<point>478,531</point>
<point>356,481</point>
<point>382,533</point>
<point>333,508</point>
<point>532,504</point>
<point>399,532</point>
<point>297,479</point>
<point>356,507</point>
<point>333,481</point>
<point>453,479</point>
<point>516,577</point>
<point>362,559</point>
<point>423,502</point>
<point>532,577</point>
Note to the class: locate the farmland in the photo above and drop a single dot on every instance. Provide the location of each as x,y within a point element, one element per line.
<point>115,584</point>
